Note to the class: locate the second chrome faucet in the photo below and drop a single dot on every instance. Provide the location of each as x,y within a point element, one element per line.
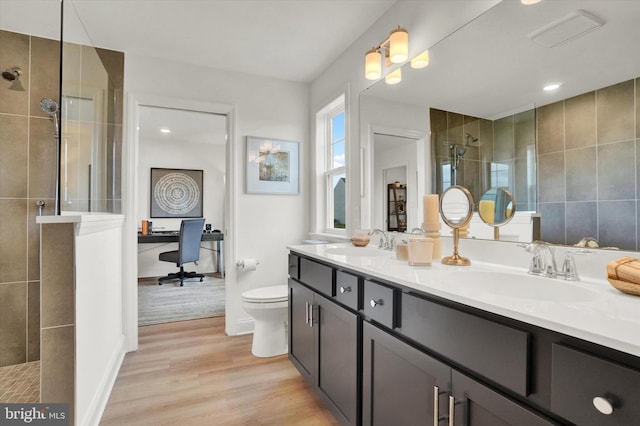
<point>543,262</point>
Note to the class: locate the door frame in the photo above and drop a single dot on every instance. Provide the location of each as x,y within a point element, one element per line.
<point>130,194</point>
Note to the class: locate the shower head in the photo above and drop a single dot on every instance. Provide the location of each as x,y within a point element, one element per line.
<point>50,106</point>
<point>13,74</point>
<point>470,139</point>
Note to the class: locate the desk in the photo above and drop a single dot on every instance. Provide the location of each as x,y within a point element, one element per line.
<point>165,237</point>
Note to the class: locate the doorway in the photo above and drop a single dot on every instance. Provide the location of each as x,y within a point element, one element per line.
<point>181,140</point>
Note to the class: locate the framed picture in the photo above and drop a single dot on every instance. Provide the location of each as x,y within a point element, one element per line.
<point>272,166</point>
<point>176,193</point>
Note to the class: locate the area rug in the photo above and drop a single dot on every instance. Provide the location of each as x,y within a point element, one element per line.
<point>169,302</point>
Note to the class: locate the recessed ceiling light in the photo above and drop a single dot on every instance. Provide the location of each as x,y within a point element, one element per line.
<point>529,2</point>
<point>550,87</point>
<point>165,130</point>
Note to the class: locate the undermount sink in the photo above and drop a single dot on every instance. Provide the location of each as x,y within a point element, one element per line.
<point>518,286</point>
<point>356,251</point>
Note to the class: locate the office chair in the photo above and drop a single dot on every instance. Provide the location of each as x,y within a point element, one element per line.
<point>188,251</point>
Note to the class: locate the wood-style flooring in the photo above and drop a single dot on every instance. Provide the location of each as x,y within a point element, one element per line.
<point>192,373</point>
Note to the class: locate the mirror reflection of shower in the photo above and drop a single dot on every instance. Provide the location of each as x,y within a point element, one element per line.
<point>51,107</point>
<point>456,153</point>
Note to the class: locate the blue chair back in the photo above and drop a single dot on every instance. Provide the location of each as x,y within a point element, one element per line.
<point>190,237</point>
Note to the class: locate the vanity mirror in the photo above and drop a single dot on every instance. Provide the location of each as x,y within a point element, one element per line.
<point>567,154</point>
<point>456,209</point>
<point>496,208</point>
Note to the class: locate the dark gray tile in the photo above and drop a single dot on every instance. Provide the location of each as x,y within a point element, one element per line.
<point>57,281</point>
<point>550,120</point>
<point>581,174</point>
<point>14,143</point>
<point>524,133</point>
<point>581,221</point>
<point>503,148</point>
<point>45,73</point>
<point>551,178</point>
<point>33,236</point>
<point>438,120</point>
<point>525,188</point>
<point>471,128</point>
<point>33,321</point>
<point>616,113</point>
<point>616,171</point>
<point>42,159</point>
<point>617,224</point>
<point>14,53</point>
<point>57,366</point>
<point>580,121</point>
<point>455,127</point>
<point>13,314</point>
<point>552,222</point>
<point>13,240</point>
<point>485,140</point>
<point>470,177</point>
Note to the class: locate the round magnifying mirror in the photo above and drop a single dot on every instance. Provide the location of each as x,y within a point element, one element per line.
<point>496,208</point>
<point>456,209</point>
<point>456,206</point>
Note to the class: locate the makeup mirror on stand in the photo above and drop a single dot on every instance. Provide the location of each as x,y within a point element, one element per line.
<point>456,209</point>
<point>496,208</point>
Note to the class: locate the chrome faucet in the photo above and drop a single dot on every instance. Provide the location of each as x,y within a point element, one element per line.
<point>384,239</point>
<point>417,231</point>
<point>543,262</point>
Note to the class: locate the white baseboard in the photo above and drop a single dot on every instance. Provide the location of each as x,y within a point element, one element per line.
<point>242,326</point>
<point>101,397</point>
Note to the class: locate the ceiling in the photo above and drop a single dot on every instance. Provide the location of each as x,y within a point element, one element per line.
<point>293,40</point>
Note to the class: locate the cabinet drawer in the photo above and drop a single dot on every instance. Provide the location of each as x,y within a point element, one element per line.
<point>293,266</point>
<point>317,276</point>
<point>578,378</point>
<point>380,303</point>
<point>498,352</point>
<point>347,289</point>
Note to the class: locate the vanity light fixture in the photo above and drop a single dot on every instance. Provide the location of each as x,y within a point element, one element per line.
<point>395,49</point>
<point>529,2</point>
<point>394,77</point>
<point>420,61</point>
<point>551,87</point>
<point>165,131</point>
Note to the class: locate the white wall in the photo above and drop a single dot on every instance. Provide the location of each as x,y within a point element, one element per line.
<point>264,224</point>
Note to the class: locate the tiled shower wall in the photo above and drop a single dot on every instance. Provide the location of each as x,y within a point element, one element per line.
<point>27,174</point>
<point>588,167</point>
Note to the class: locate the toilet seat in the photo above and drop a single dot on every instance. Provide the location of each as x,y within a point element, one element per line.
<point>273,294</point>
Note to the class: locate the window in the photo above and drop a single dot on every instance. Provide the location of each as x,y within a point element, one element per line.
<point>331,149</point>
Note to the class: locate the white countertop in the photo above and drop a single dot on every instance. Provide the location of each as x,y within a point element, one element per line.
<point>85,222</point>
<point>589,309</point>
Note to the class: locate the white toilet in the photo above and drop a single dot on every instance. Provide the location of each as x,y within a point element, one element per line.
<point>268,307</point>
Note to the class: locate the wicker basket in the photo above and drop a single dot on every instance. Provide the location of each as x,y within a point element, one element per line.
<point>625,287</point>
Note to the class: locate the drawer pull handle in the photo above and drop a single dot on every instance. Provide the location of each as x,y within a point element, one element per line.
<point>345,289</point>
<point>375,303</point>
<point>452,404</point>
<point>603,405</point>
<point>306,313</point>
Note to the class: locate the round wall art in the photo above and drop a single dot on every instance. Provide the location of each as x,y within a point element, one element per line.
<point>176,193</point>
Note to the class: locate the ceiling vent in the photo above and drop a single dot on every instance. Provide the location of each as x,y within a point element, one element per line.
<point>566,28</point>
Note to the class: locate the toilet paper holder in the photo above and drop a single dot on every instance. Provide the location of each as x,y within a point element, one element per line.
<point>240,263</point>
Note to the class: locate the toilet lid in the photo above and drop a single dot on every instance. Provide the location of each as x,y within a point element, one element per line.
<point>277,293</point>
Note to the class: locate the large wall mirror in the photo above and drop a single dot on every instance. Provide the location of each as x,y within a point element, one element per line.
<point>567,154</point>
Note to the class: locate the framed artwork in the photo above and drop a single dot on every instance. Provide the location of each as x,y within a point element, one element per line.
<point>176,193</point>
<point>272,166</point>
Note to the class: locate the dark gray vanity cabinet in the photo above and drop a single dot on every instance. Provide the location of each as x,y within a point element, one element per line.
<point>379,353</point>
<point>323,345</point>
<point>399,382</point>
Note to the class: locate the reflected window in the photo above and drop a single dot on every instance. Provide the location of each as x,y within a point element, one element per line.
<point>499,175</point>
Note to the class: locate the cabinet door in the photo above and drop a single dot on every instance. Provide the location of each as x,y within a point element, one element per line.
<point>477,405</point>
<point>301,333</point>
<point>337,359</point>
<point>398,382</point>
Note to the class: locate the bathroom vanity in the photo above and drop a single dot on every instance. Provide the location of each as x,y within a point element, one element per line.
<point>384,343</point>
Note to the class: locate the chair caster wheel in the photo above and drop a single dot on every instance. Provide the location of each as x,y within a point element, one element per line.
<point>200,279</point>
<point>181,284</point>
<point>159,283</point>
